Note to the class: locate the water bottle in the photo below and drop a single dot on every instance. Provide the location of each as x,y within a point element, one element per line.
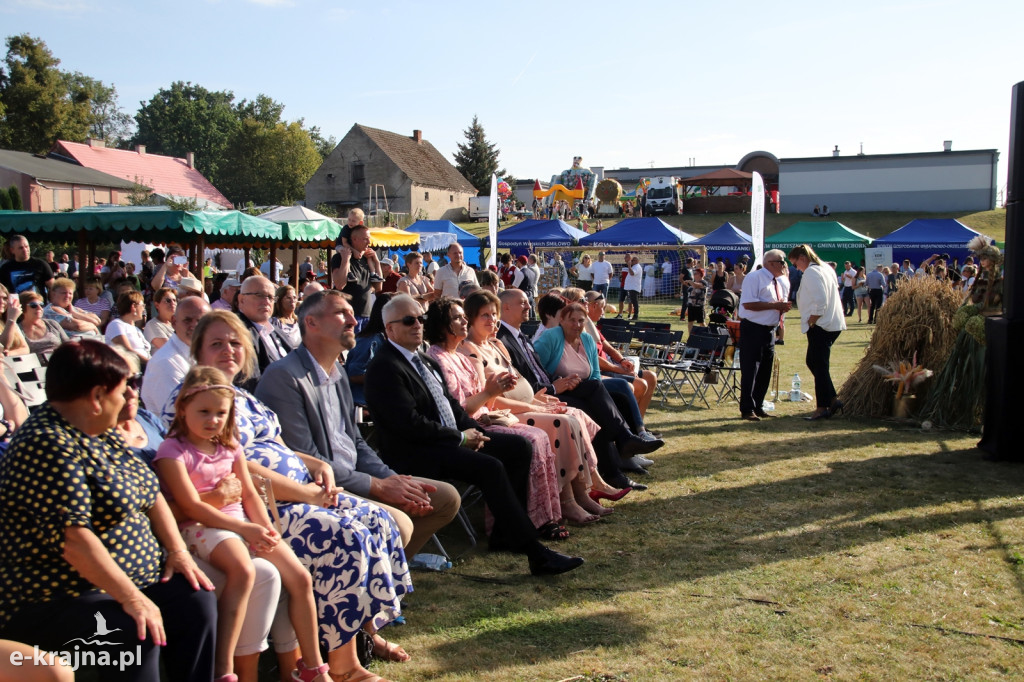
<point>795,394</point>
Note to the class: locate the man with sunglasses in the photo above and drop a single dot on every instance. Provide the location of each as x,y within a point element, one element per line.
<point>764,301</point>
<point>425,432</point>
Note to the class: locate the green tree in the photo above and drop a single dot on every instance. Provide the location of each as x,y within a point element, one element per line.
<point>324,145</point>
<point>15,197</point>
<point>189,118</point>
<point>38,105</point>
<point>267,160</point>
<point>107,121</point>
<point>5,201</point>
<point>478,158</point>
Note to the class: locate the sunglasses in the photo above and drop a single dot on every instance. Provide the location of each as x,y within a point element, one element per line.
<point>410,320</point>
<point>134,382</point>
<point>34,304</point>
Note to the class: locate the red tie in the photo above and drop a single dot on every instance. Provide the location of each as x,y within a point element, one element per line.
<point>778,294</point>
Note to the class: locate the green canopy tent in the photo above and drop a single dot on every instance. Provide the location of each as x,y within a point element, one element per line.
<point>196,229</point>
<point>302,226</point>
<point>831,240</point>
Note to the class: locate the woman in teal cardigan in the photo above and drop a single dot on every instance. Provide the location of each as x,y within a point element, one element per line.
<point>551,347</point>
<point>551,344</point>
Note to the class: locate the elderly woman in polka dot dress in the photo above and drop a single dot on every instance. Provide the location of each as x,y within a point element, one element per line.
<point>90,557</point>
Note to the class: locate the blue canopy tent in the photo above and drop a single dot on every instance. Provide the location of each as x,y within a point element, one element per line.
<point>921,238</point>
<point>469,242</point>
<point>640,233</point>
<point>726,241</point>
<point>538,235</point>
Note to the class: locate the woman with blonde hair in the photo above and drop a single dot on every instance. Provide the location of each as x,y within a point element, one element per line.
<point>822,320</point>
<point>76,322</point>
<point>42,335</point>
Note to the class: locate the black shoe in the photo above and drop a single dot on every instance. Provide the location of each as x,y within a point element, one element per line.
<point>653,434</point>
<point>635,445</point>
<point>762,414</point>
<point>550,562</point>
<point>648,436</point>
<point>780,342</point>
<point>621,480</point>
<point>750,417</point>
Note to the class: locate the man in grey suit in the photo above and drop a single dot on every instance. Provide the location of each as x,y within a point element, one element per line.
<point>309,391</point>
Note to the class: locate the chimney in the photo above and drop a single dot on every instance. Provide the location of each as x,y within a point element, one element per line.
<point>418,136</point>
<point>947,146</point>
<point>835,152</point>
<point>190,159</point>
<point>140,149</point>
<point>95,143</point>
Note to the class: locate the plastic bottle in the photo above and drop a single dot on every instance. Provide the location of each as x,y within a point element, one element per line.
<point>795,394</point>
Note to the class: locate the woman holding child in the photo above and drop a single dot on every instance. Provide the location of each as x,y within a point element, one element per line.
<point>352,547</point>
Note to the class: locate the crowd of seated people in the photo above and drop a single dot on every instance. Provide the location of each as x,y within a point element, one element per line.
<point>156,438</point>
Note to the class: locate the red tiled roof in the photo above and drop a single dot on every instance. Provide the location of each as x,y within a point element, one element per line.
<point>164,175</point>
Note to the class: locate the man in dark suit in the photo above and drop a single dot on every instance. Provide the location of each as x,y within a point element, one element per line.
<point>425,432</point>
<point>591,396</point>
<point>309,392</point>
<point>255,307</point>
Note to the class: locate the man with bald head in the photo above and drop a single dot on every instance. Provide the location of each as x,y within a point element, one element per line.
<point>451,277</point>
<point>255,308</point>
<point>169,365</point>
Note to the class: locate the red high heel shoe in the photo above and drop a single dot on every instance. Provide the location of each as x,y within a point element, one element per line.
<point>598,495</point>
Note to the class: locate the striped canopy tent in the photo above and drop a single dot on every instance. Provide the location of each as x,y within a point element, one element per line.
<point>194,230</point>
<point>391,237</point>
<point>301,228</point>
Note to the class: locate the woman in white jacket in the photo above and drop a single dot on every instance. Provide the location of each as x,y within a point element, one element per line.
<point>822,320</point>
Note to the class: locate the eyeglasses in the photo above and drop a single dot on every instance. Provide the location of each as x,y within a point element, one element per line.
<point>134,382</point>
<point>773,261</point>
<point>410,320</point>
<point>265,297</point>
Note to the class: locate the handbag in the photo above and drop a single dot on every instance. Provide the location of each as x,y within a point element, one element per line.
<point>498,418</point>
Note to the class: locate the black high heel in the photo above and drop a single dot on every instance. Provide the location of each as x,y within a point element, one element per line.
<point>836,407</point>
<point>827,414</point>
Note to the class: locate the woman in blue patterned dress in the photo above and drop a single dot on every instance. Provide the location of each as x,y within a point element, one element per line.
<point>352,546</point>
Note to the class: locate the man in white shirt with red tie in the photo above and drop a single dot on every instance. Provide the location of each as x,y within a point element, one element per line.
<point>762,305</point>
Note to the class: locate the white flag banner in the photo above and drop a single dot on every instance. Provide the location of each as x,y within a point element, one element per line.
<point>757,217</point>
<point>492,220</point>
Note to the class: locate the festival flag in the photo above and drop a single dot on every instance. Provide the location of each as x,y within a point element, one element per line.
<point>757,217</point>
<point>492,220</point>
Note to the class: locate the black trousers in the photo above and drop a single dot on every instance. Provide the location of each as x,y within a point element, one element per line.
<point>190,620</point>
<point>757,357</point>
<point>501,469</point>
<point>876,303</point>
<point>819,350</point>
<point>634,300</point>
<point>849,301</point>
<point>592,397</point>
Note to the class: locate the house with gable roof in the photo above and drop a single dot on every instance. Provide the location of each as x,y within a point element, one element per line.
<point>169,177</point>
<point>46,184</point>
<point>370,163</point>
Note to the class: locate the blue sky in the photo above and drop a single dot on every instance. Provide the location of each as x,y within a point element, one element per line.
<point>619,84</point>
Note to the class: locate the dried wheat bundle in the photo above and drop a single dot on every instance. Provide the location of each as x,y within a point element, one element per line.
<point>918,318</point>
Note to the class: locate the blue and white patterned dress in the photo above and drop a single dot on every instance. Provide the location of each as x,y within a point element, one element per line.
<point>354,551</point>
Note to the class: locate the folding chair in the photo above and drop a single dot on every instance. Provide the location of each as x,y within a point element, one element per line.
<point>698,364</point>
<point>32,392</point>
<point>620,338</point>
<point>24,365</point>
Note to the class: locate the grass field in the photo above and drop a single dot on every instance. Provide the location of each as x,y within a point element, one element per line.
<point>842,549</point>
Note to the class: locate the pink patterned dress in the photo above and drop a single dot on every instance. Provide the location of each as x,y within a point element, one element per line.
<point>542,503</point>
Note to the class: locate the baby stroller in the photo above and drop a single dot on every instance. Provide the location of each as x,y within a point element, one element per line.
<point>723,305</point>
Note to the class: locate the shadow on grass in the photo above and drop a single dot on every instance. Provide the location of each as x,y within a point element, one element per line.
<point>853,504</point>
<point>514,643</point>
